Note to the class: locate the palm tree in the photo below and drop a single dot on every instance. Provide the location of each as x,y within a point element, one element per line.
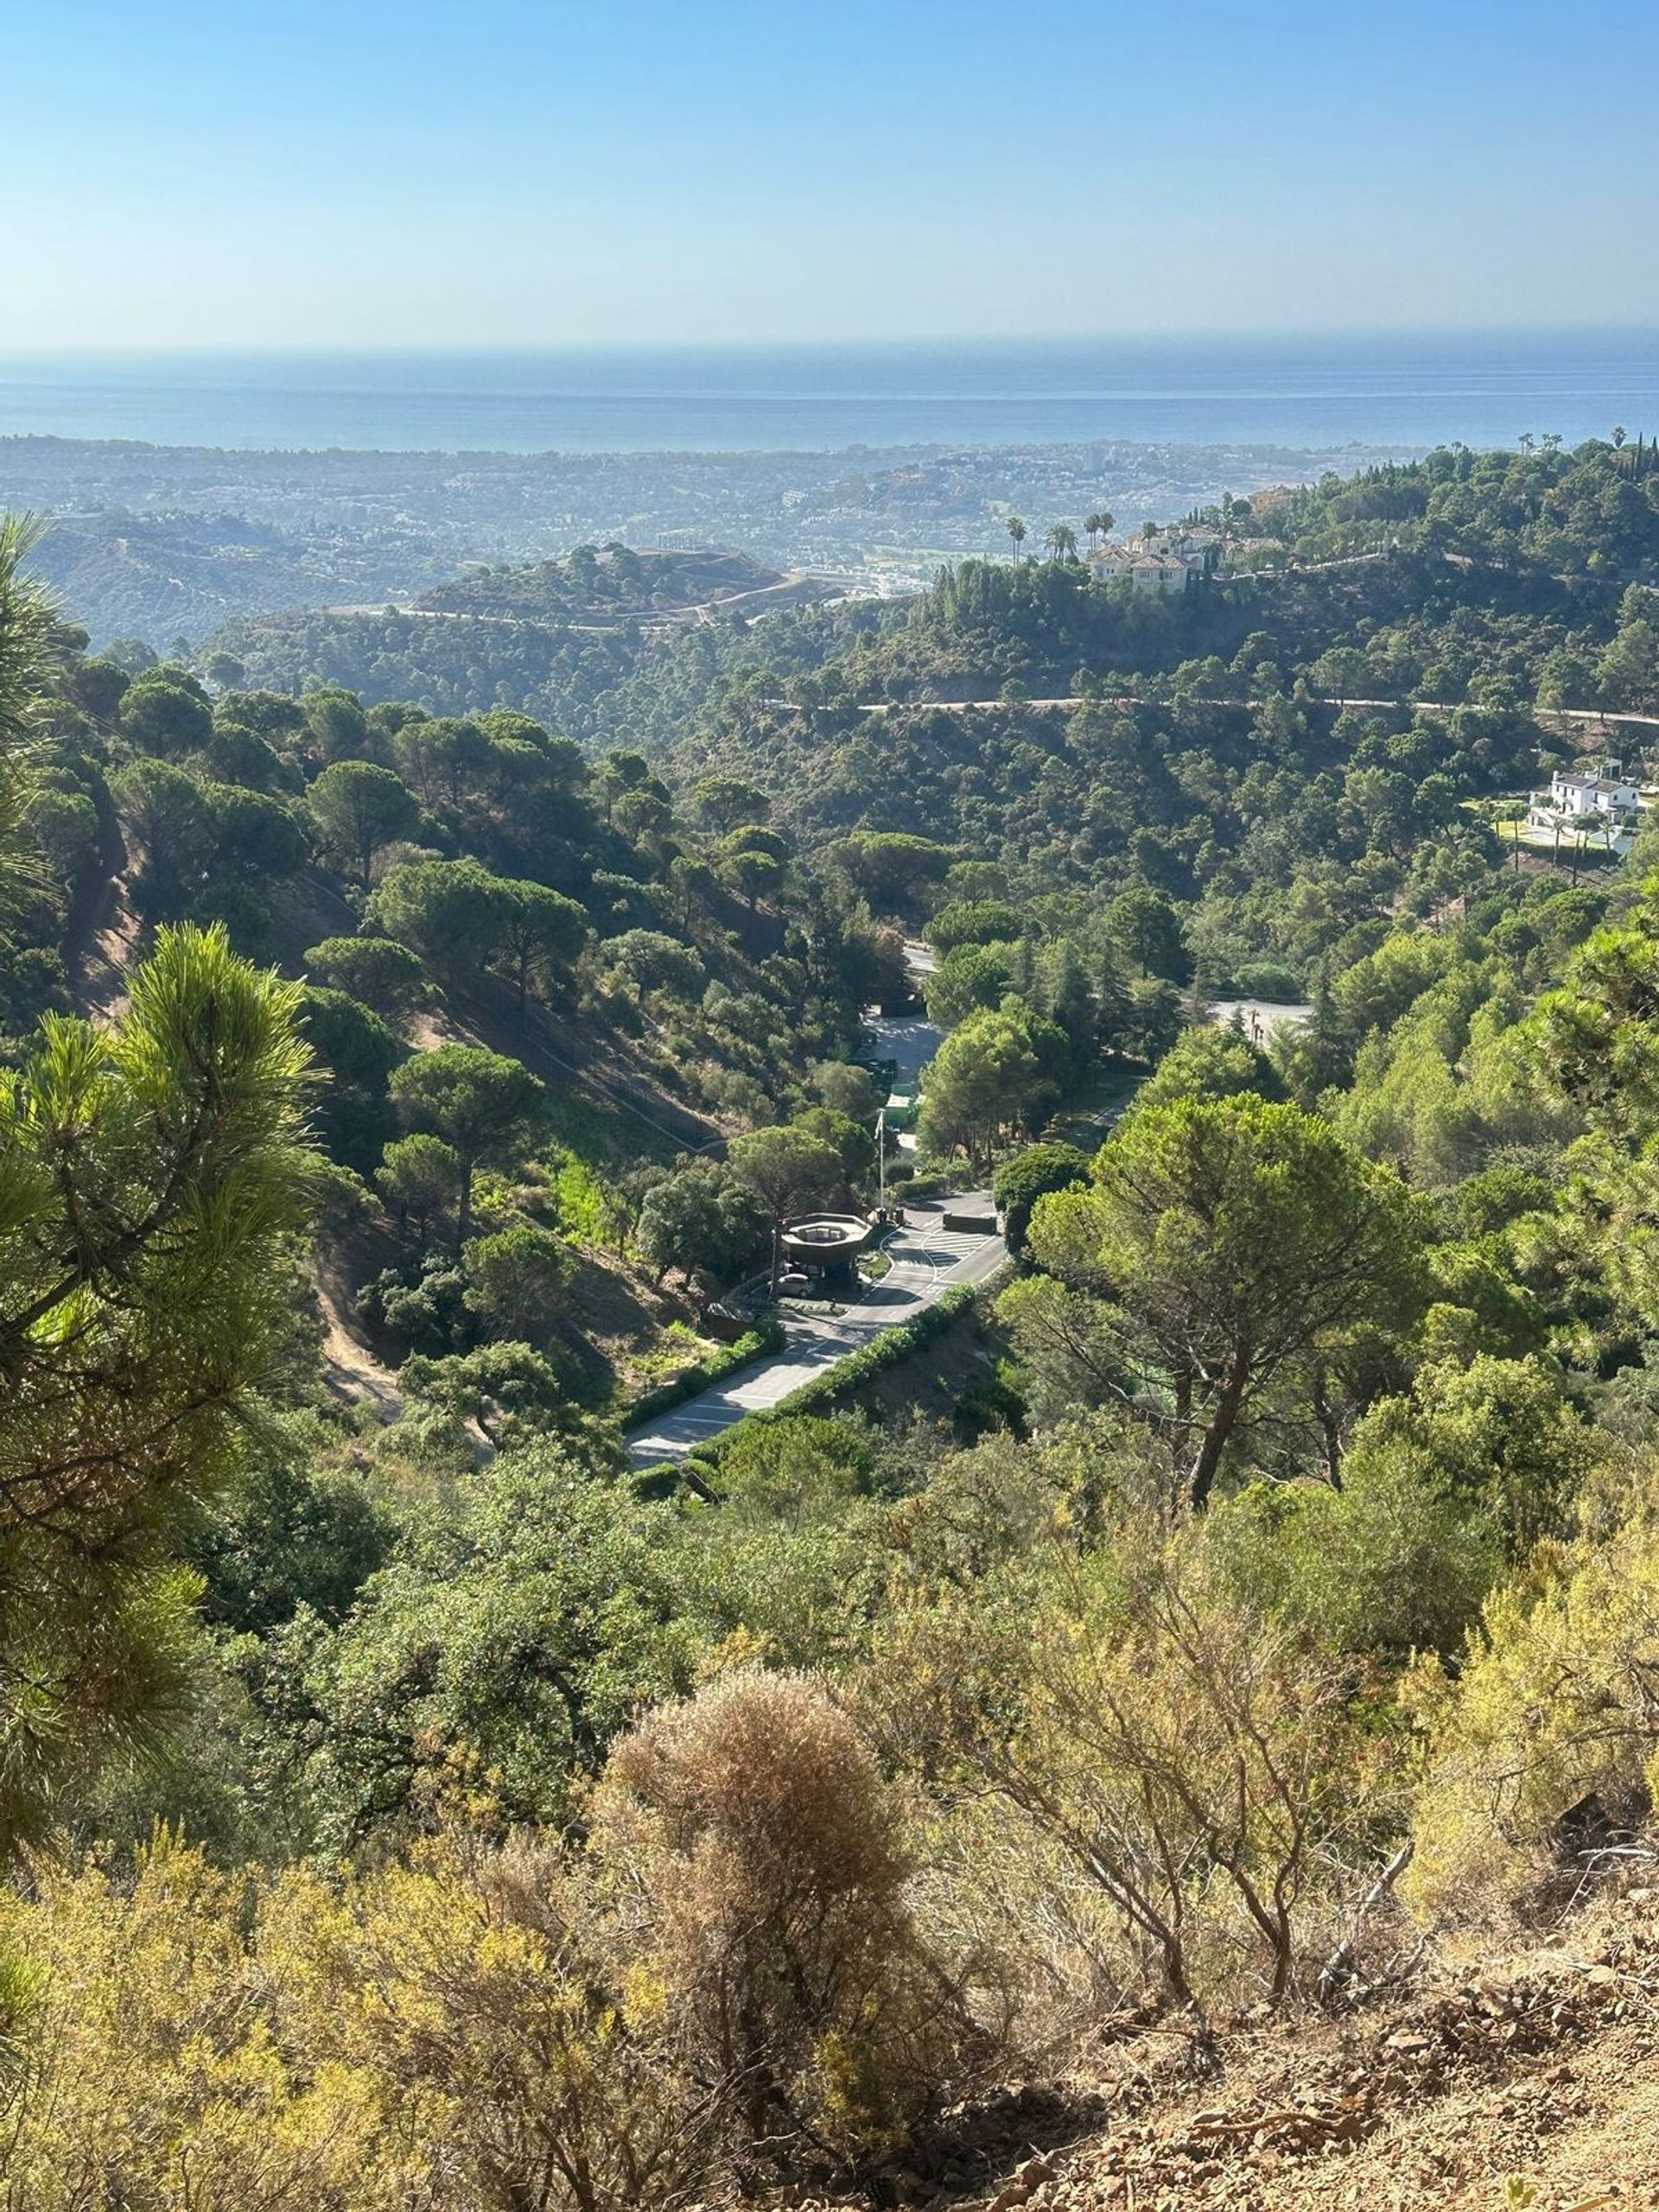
<point>1526,441</point>
<point>1062,542</point>
<point>1017,532</point>
<point>1619,436</point>
<point>1097,525</point>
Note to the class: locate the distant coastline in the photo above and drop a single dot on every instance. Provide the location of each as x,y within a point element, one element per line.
<point>1483,388</point>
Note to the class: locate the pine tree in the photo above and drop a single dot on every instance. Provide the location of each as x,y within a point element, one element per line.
<point>149,1173</point>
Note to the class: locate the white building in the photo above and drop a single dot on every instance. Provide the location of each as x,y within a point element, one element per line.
<point>1601,788</point>
<point>1596,797</point>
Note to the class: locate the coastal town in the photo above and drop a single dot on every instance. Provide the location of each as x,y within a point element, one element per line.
<point>165,542</point>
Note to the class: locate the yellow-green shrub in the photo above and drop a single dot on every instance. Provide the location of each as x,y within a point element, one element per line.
<point>150,2072</point>
<point>1559,1698</point>
<point>479,2028</point>
<point>438,2033</point>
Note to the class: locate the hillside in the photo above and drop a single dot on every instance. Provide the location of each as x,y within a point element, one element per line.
<point>1533,2071</point>
<point>160,577</point>
<point>1190,1721</point>
<point>211,533</point>
<point>545,642</point>
<point>445,664</point>
<point>1206,756</point>
<point>446,888</point>
<point>611,581</point>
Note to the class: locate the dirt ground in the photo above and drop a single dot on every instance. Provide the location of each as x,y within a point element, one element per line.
<point>1531,2081</point>
<point>351,1371</point>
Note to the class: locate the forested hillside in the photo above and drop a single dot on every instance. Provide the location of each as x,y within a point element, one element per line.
<point>609,580</point>
<point>1195,745</point>
<point>408,1802</point>
<point>598,650</point>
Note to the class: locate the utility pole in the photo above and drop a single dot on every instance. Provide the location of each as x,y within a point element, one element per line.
<point>882,1159</point>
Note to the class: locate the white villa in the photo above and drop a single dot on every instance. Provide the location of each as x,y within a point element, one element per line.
<point>1596,796</point>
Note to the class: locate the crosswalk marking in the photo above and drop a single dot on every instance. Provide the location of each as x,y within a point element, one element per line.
<point>935,1240</point>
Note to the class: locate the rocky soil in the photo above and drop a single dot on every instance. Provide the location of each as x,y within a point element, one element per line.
<point>1533,2081</point>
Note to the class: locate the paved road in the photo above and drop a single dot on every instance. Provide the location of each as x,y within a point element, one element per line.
<point>909,1040</point>
<point>1069,704</point>
<point>927,1261</point>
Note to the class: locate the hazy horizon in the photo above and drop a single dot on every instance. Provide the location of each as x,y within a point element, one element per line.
<point>1287,335</point>
<point>1338,391</point>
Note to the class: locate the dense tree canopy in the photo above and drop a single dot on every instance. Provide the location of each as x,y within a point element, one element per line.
<point>1231,1239</point>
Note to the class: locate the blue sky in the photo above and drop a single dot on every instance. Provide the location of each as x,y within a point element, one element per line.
<point>290,173</point>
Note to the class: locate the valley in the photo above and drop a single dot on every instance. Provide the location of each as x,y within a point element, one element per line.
<point>829,1108</point>
<point>434,1034</point>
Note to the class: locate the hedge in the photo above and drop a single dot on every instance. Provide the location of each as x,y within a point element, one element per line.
<point>758,1342</point>
<point>912,1186</point>
<point>891,1349</point>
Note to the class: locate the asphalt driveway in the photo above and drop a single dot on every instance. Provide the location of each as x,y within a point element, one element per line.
<point>927,1261</point>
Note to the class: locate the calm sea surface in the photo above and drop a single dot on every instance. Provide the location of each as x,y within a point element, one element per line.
<point>1486,389</point>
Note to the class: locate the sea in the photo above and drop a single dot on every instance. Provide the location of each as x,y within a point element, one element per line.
<point>1400,390</point>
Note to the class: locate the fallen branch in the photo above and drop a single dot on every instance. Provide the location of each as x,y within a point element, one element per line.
<point>1342,1959</point>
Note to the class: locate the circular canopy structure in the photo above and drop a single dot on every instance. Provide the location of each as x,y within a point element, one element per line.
<point>827,1240</point>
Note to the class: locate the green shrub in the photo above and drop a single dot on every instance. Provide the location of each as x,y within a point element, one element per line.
<point>890,1349</point>
<point>758,1342</point>
<point>1266,979</point>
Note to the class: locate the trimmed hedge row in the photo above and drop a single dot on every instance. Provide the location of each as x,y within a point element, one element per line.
<point>758,1342</point>
<point>891,1349</point>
